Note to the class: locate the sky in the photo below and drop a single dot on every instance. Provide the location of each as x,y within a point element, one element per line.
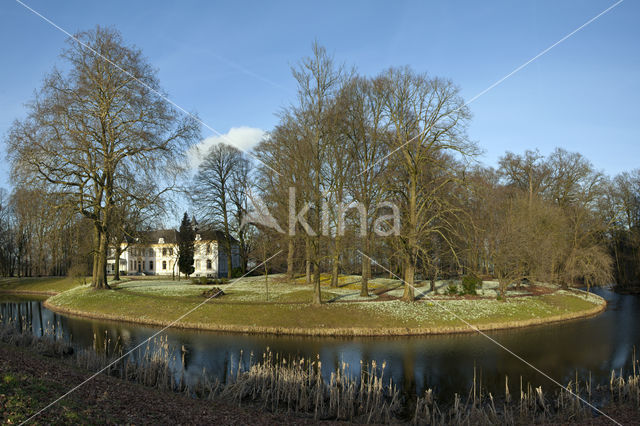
<point>230,62</point>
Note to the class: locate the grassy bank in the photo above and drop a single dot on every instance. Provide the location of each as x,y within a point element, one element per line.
<point>246,308</point>
<point>39,285</point>
<point>24,389</point>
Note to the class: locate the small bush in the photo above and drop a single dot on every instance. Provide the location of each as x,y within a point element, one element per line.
<point>78,273</point>
<point>452,290</point>
<point>236,272</point>
<point>213,293</point>
<point>470,284</point>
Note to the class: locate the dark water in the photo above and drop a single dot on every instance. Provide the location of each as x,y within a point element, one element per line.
<point>444,363</point>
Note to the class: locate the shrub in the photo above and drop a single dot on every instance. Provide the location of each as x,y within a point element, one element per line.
<point>203,281</point>
<point>236,272</point>
<point>213,293</point>
<point>78,273</point>
<point>470,284</point>
<point>452,290</point>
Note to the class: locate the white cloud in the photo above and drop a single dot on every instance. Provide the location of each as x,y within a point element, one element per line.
<point>243,138</point>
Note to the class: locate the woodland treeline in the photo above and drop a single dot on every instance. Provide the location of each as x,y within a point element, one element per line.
<point>396,143</point>
<point>400,139</point>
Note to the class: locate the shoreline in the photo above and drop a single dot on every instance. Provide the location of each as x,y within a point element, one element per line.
<point>29,293</point>
<point>337,332</point>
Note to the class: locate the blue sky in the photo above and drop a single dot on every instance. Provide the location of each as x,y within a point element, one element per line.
<point>230,62</point>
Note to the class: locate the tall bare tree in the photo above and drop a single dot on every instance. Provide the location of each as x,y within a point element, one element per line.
<point>102,122</point>
<point>319,80</point>
<point>428,118</point>
<point>219,191</point>
<point>367,136</point>
<point>285,170</point>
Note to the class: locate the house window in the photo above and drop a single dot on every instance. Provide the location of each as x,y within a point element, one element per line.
<point>151,265</point>
<point>197,264</point>
<point>170,252</point>
<point>164,252</point>
<point>209,264</point>
<point>150,251</point>
<point>208,248</point>
<point>164,265</point>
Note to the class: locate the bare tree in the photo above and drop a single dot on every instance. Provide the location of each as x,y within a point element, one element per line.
<point>524,238</point>
<point>428,118</point>
<point>92,127</point>
<point>623,205</point>
<point>366,132</point>
<point>7,235</point>
<point>319,80</point>
<point>529,172</point>
<point>240,199</point>
<point>219,192</point>
<point>279,150</point>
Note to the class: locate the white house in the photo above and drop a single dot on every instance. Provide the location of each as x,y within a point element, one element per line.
<point>156,253</point>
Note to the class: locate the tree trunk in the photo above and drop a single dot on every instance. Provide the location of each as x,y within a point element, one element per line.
<point>96,251</point>
<point>502,288</point>
<point>229,259</point>
<point>101,267</point>
<point>290,253</point>
<point>317,300</point>
<point>308,261</point>
<point>412,243</point>
<point>434,277</point>
<point>366,267</point>
<point>335,267</point>
<point>409,274</point>
<point>116,264</point>
<point>244,255</point>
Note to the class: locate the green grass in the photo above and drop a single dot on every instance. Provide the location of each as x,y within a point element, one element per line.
<point>245,305</point>
<point>22,394</point>
<point>38,285</point>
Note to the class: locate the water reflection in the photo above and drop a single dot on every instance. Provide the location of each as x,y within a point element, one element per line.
<point>444,363</point>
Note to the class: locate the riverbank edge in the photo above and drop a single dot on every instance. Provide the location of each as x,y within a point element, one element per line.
<point>29,293</point>
<point>342,331</point>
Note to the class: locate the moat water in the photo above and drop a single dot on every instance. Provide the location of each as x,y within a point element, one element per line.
<point>444,363</point>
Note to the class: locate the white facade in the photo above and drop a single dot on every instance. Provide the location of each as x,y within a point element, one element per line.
<point>161,257</point>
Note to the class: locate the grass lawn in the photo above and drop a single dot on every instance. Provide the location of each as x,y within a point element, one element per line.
<point>47,285</point>
<point>244,307</point>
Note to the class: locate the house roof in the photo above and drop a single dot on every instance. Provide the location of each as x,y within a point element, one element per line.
<point>213,235</point>
<point>170,236</point>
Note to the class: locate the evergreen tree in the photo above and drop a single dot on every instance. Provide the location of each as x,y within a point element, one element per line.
<point>186,238</point>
